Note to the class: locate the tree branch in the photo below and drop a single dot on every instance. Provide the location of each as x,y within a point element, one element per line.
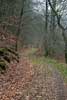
<point>58,20</point>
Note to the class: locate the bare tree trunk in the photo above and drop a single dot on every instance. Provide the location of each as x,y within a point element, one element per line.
<point>46,30</point>
<point>66,52</point>
<point>52,29</point>
<point>19,25</point>
<point>65,49</point>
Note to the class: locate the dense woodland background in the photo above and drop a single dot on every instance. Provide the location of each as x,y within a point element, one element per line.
<point>33,49</point>
<point>37,23</point>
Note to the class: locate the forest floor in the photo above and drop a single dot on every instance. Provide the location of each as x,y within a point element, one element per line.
<point>32,79</point>
<point>15,79</point>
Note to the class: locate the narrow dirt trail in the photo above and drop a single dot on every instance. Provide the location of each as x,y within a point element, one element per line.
<point>26,81</point>
<point>44,86</point>
<point>47,84</point>
<point>58,84</point>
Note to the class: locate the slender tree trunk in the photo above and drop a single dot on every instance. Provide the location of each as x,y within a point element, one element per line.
<point>52,29</point>
<point>66,52</point>
<point>18,31</point>
<point>19,25</point>
<point>65,48</point>
<point>46,30</point>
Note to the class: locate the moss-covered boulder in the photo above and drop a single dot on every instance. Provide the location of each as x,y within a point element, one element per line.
<point>3,65</point>
<point>6,56</point>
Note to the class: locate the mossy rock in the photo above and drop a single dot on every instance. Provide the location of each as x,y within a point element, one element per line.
<point>14,54</point>
<point>1,60</point>
<point>3,65</point>
<point>2,51</point>
<point>7,58</point>
<point>15,58</point>
<point>8,54</point>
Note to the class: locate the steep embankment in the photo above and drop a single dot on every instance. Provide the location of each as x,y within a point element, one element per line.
<point>15,70</point>
<point>15,80</point>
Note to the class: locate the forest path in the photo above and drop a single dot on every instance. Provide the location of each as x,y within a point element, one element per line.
<point>47,84</point>
<point>28,81</point>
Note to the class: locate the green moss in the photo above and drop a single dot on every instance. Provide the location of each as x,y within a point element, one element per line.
<point>3,49</point>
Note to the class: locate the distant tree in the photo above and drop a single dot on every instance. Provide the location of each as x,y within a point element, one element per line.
<point>52,27</point>
<point>19,25</point>
<point>46,30</point>
<point>61,26</point>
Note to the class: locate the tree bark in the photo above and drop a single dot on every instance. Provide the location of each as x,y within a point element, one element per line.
<point>66,52</point>
<point>46,30</point>
<point>19,25</point>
